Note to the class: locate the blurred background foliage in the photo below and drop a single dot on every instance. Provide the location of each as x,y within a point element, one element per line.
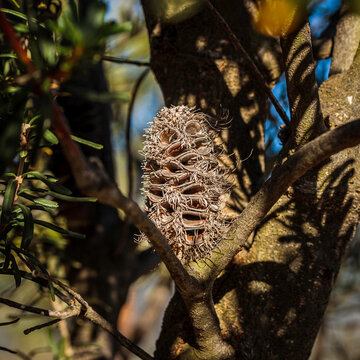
<point>63,42</point>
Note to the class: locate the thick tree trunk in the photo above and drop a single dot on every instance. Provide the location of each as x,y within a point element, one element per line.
<point>271,299</point>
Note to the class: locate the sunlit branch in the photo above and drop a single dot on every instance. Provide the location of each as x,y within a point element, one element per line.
<point>307,157</point>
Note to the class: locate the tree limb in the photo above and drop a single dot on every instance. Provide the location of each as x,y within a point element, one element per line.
<point>302,89</point>
<point>307,157</point>
<point>346,40</point>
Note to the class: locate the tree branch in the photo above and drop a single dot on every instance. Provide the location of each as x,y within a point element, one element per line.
<point>307,157</point>
<point>250,63</point>
<point>82,309</point>
<point>72,311</point>
<point>302,89</point>
<point>346,40</point>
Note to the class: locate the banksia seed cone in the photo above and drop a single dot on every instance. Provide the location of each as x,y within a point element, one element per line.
<point>183,182</point>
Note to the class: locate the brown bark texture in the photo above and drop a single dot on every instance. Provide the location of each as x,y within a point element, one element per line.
<point>270,300</point>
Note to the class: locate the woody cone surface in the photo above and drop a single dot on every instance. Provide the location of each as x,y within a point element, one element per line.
<point>183,182</point>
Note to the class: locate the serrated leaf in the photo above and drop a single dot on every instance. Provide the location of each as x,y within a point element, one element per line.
<point>8,201</point>
<point>71,198</point>
<point>28,231</point>
<point>46,202</point>
<point>50,137</point>
<point>59,229</point>
<point>54,186</point>
<point>87,142</point>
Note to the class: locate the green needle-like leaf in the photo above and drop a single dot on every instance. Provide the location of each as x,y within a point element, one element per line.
<point>50,137</point>
<point>17,275</point>
<point>45,202</point>
<point>8,201</point>
<point>87,142</point>
<point>54,186</point>
<point>59,229</point>
<point>28,231</point>
<point>71,198</point>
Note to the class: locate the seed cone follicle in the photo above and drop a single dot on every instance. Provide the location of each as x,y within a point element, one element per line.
<point>184,184</point>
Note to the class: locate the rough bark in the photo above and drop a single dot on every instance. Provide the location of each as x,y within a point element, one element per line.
<point>271,299</point>
<point>346,40</point>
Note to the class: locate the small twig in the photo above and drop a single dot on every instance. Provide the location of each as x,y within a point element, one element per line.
<point>87,312</point>
<point>29,276</point>
<point>128,130</point>
<point>44,312</point>
<point>2,348</point>
<point>41,326</point>
<point>256,72</point>
<point>75,295</point>
<point>10,322</point>
<point>125,61</point>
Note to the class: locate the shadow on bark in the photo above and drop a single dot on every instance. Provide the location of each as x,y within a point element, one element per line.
<point>274,299</point>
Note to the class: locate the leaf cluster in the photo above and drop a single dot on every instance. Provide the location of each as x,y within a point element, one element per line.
<point>42,45</point>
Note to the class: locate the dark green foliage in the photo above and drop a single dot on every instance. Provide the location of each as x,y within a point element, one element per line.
<point>42,44</point>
